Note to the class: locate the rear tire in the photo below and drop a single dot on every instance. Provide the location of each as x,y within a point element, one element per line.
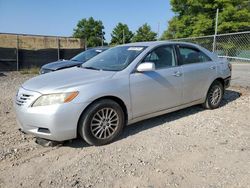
<point>214,96</point>
<point>102,122</point>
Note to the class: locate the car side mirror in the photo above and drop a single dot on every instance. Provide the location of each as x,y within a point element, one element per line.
<point>146,67</point>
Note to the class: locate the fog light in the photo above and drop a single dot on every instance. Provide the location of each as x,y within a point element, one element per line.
<point>43,130</point>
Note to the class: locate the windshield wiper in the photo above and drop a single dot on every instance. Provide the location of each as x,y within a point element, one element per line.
<point>92,68</point>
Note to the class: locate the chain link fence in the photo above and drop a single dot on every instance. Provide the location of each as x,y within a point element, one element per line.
<point>233,46</point>
<point>18,51</point>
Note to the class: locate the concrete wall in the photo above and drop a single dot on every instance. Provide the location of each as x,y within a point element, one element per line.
<point>32,42</point>
<point>24,51</point>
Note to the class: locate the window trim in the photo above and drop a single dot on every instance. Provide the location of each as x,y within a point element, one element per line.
<point>190,47</point>
<point>162,45</point>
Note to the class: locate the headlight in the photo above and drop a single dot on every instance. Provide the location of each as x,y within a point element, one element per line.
<point>57,98</point>
<point>44,71</point>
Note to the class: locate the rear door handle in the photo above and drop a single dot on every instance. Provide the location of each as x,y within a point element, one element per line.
<point>177,74</point>
<point>212,67</point>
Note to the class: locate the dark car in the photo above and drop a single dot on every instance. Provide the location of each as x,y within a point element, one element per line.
<point>75,61</point>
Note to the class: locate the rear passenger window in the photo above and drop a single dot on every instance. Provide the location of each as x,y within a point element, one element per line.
<point>191,55</point>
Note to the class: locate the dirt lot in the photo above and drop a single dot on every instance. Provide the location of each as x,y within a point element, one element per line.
<point>189,148</point>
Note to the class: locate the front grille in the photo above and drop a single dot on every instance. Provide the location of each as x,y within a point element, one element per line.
<point>22,98</point>
<point>26,97</point>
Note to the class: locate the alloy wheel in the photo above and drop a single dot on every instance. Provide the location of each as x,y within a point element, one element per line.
<point>104,123</point>
<point>215,95</point>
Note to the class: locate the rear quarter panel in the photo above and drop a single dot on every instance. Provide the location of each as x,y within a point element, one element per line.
<point>223,69</point>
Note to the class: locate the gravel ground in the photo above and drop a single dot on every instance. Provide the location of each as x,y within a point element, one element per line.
<point>188,148</point>
<point>241,74</point>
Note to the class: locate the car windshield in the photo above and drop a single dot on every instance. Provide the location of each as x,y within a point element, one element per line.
<point>114,59</point>
<point>86,55</point>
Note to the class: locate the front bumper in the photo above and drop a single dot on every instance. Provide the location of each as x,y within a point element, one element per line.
<point>54,122</point>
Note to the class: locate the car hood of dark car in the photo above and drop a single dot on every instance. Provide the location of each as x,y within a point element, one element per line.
<point>61,64</point>
<point>65,79</point>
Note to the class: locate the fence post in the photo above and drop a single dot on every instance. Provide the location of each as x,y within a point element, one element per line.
<point>158,31</point>
<point>123,37</point>
<point>216,28</point>
<point>58,48</point>
<point>17,53</point>
<point>85,43</point>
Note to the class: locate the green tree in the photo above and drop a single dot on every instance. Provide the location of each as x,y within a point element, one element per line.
<point>144,33</point>
<point>121,34</point>
<point>197,17</point>
<point>91,31</point>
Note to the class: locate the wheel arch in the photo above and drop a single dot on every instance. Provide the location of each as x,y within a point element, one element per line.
<point>114,98</point>
<point>221,80</point>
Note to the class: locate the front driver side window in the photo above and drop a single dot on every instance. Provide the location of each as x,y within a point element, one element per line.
<point>163,57</point>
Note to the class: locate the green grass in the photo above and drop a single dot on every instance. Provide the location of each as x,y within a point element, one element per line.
<point>32,70</point>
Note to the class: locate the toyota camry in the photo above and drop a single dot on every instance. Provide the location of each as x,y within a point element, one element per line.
<point>120,86</point>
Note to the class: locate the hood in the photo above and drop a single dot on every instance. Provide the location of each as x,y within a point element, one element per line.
<point>61,64</point>
<point>66,78</point>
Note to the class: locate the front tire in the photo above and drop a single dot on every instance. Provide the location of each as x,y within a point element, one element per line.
<point>214,96</point>
<point>102,122</point>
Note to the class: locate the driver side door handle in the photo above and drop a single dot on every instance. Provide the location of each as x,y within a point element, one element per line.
<point>212,67</point>
<point>177,74</point>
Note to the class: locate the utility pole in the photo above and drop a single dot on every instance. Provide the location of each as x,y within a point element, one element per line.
<point>17,53</point>
<point>216,28</point>
<point>102,38</point>
<point>58,48</point>
<point>158,31</point>
<point>85,41</point>
<point>123,36</point>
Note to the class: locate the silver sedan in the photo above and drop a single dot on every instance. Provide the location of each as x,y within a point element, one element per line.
<point>123,85</point>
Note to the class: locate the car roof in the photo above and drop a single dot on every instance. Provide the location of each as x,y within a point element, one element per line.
<point>156,43</point>
<point>99,48</point>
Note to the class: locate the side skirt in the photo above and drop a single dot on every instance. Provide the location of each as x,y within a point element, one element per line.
<point>147,116</point>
